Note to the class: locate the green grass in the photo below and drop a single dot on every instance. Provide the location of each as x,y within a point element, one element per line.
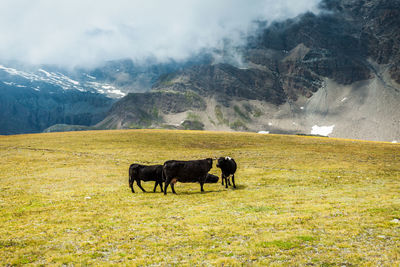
<point>65,200</point>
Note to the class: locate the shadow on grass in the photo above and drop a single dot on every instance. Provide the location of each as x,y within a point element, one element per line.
<point>240,187</point>
<point>195,192</point>
<point>222,189</point>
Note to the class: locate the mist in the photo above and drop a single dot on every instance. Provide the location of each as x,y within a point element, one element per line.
<point>71,33</point>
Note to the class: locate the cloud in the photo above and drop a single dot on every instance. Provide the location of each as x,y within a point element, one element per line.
<point>75,32</point>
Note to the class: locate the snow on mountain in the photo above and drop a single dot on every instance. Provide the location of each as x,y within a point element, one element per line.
<point>322,130</point>
<point>55,81</point>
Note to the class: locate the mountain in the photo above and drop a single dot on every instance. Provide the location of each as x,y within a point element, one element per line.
<point>34,98</point>
<point>336,73</point>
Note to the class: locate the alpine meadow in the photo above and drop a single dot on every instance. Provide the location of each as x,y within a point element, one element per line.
<point>300,200</point>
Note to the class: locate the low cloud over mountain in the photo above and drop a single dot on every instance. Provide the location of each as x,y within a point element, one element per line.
<point>85,33</point>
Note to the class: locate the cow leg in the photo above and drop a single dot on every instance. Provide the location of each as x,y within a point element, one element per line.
<point>202,182</point>
<point>155,187</point>
<point>131,186</point>
<point>167,182</point>
<point>160,183</point>
<point>226,181</point>
<point>131,180</point>
<point>229,180</point>
<point>233,181</point>
<point>173,188</point>
<point>223,178</point>
<point>140,186</point>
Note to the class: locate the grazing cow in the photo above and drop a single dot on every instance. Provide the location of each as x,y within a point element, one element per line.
<point>145,173</point>
<point>192,171</point>
<point>211,179</point>
<point>228,167</point>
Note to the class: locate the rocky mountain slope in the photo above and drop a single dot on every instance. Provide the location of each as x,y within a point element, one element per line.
<point>338,70</point>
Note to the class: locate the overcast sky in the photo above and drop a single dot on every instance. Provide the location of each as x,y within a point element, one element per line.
<point>87,32</point>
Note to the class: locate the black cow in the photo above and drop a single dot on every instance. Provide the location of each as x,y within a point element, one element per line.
<point>138,172</point>
<point>211,179</point>
<point>228,167</point>
<point>192,171</point>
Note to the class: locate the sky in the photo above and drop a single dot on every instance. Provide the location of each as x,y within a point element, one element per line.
<point>73,33</point>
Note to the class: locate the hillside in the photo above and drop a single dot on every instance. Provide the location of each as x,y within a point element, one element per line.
<point>65,200</point>
<point>337,69</point>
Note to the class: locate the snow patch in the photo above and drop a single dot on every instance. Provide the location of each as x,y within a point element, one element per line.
<point>68,79</point>
<point>269,123</point>
<point>263,132</point>
<point>45,72</point>
<point>117,92</point>
<point>107,87</point>
<point>90,77</point>
<point>322,130</point>
<point>60,80</point>
<point>394,141</point>
<point>301,108</point>
<point>9,70</point>
<point>344,99</point>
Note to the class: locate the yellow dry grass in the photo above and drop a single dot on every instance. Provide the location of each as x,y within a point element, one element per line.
<point>64,199</point>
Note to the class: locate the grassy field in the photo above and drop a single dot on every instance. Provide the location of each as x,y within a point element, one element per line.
<point>64,199</point>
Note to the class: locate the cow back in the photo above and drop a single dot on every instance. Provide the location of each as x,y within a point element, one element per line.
<point>147,173</point>
<point>187,171</point>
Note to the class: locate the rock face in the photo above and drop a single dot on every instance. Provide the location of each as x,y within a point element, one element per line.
<point>338,69</point>
<point>139,110</point>
<point>131,78</point>
<point>378,28</point>
<point>225,81</point>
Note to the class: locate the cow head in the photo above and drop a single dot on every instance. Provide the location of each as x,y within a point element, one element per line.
<point>221,162</point>
<point>212,178</point>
